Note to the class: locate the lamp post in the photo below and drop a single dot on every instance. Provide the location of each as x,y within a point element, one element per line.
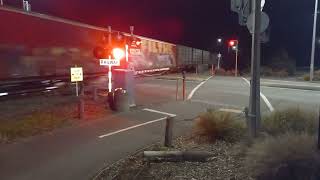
<point>313,39</point>
<point>219,45</point>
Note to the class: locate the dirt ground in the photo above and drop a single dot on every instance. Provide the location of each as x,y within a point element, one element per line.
<point>226,164</point>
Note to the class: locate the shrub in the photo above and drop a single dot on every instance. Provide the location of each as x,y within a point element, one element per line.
<point>290,120</point>
<point>280,73</point>
<point>220,72</point>
<point>287,157</point>
<point>215,125</point>
<point>306,77</point>
<point>316,76</point>
<point>266,71</point>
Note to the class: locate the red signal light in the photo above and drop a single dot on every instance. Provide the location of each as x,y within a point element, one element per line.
<point>118,53</point>
<point>232,43</point>
<point>138,43</point>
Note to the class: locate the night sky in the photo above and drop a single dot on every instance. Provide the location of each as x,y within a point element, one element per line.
<point>195,23</point>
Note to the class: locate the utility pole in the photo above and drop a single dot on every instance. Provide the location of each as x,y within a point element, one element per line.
<point>254,112</point>
<point>314,39</point>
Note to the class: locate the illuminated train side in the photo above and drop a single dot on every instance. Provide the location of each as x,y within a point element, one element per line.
<point>37,45</point>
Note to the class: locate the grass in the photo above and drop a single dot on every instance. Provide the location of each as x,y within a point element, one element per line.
<point>290,120</point>
<point>216,125</point>
<point>31,125</point>
<point>31,116</point>
<point>286,157</point>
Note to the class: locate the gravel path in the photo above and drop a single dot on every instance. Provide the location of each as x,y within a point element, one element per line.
<point>226,164</point>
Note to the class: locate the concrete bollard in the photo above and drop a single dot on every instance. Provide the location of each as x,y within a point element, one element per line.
<point>169,132</point>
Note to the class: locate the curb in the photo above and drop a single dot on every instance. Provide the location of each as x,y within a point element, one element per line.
<point>291,86</point>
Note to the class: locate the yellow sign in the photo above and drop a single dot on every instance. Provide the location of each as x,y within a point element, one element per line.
<point>76,74</point>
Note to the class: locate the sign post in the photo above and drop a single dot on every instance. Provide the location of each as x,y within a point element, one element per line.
<point>110,62</point>
<point>76,76</point>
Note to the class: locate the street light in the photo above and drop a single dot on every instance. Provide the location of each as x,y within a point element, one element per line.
<point>219,56</point>
<point>313,39</point>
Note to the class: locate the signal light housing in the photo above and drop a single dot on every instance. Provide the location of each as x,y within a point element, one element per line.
<point>233,43</point>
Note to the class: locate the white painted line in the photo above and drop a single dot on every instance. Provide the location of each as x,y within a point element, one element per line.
<point>212,103</point>
<point>263,97</point>
<point>3,94</point>
<point>49,88</point>
<point>197,87</point>
<point>132,127</point>
<point>231,110</point>
<point>160,112</point>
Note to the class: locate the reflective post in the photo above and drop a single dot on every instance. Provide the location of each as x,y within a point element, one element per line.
<point>319,131</point>
<point>177,89</point>
<point>313,40</point>
<point>183,85</point>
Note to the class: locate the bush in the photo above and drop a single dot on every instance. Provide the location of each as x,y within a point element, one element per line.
<point>287,157</point>
<point>280,73</point>
<point>215,125</point>
<point>306,77</point>
<point>266,71</point>
<point>290,120</point>
<point>220,72</point>
<point>316,76</point>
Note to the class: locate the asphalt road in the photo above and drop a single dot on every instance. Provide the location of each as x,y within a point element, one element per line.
<point>79,152</point>
<point>233,93</point>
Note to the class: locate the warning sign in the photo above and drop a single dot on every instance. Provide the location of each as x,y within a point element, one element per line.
<point>76,74</point>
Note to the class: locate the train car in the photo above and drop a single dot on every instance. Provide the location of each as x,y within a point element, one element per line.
<point>38,45</point>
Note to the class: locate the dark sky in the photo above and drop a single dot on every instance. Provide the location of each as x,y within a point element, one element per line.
<point>194,23</point>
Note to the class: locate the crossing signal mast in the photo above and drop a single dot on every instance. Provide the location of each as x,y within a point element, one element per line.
<point>234,45</point>
<point>114,51</point>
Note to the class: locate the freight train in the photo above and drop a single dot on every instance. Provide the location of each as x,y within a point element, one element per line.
<point>35,45</point>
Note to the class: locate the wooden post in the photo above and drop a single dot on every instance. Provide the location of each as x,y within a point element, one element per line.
<point>81,102</point>
<point>177,89</point>
<point>246,113</point>
<point>95,94</point>
<point>168,133</point>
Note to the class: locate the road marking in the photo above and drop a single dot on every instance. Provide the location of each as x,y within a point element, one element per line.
<point>262,96</point>
<point>132,127</point>
<point>197,87</point>
<point>160,112</point>
<point>4,94</point>
<point>231,110</point>
<point>212,103</point>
